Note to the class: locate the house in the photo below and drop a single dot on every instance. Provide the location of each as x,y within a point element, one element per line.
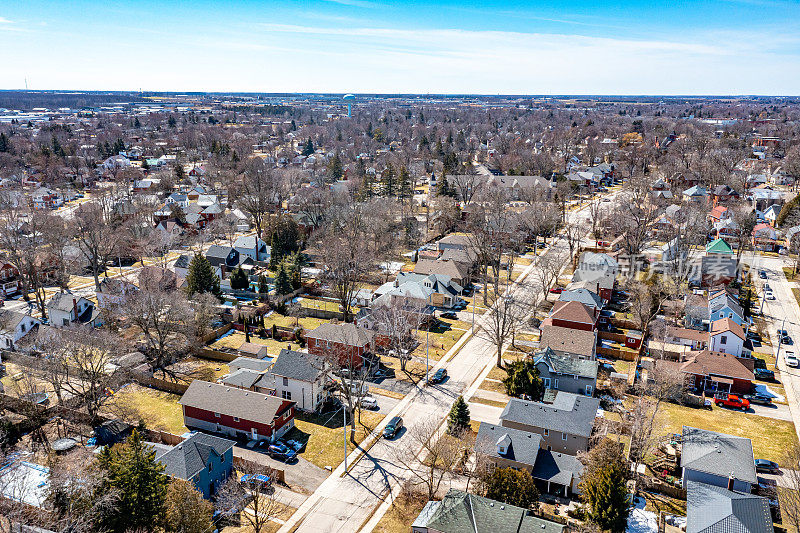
<point>504,447</point>
<point>236,412</point>
<point>573,315</point>
<point>761,199</point>
<point>177,199</point>
<point>300,377</point>
<point>64,308</point>
<point>597,272</point>
<point>226,258</point>
<point>719,247</point>
<point>252,349</point>
<point>205,460</point>
<point>433,289</point>
<point>181,265</point>
<point>714,458</point>
<point>563,419</point>
<point>771,213</point>
<point>719,213</point>
<point>462,512</point>
<point>564,373</point>
<point>712,372</point>
<point>727,336</point>
<point>252,247</point>
<point>8,279</point>
<point>712,509</point>
<point>350,344</point>
<point>584,296</point>
<point>14,326</point>
<point>721,304</point>
<point>567,341</point>
<point>456,271</point>
<point>765,237</point>
<point>695,194</point>
<point>722,194</point>
<point>690,338</point>
<point>114,291</point>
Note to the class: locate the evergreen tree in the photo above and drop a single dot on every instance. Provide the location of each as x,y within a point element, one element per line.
<point>239,280</point>
<point>511,486</point>
<point>406,187</point>
<point>180,174</point>
<point>5,143</point>
<point>335,168</point>
<point>604,486</point>
<point>263,286</point>
<point>136,123</point>
<point>246,324</point>
<point>523,379</point>
<point>284,241</point>
<point>308,149</point>
<point>201,277</point>
<point>131,470</point>
<point>388,183</point>
<point>282,283</point>
<point>458,420</point>
<point>171,122</point>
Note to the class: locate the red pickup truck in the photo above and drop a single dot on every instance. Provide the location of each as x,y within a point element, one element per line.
<point>733,401</point>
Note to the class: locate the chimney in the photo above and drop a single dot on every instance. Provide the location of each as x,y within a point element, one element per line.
<point>75,308</point>
<point>730,482</point>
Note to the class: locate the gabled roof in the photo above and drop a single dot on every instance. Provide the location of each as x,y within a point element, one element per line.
<point>726,324</point>
<point>522,446</point>
<point>251,363</point>
<point>348,334</point>
<point>695,191</point>
<point>582,295</point>
<point>231,401</point>
<point>711,509</point>
<point>186,459</point>
<point>570,413</point>
<point>718,454</point>
<point>573,311</point>
<point>569,340</point>
<point>708,363</point>
<point>718,246</point>
<point>298,365</point>
<point>564,364</point>
<point>449,268</point>
<point>243,377</point>
<point>62,301</point>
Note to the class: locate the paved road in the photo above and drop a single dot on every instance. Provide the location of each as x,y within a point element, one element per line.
<point>346,500</point>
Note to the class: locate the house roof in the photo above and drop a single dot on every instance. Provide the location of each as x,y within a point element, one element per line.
<point>298,365</point>
<point>723,300</point>
<point>9,320</point>
<point>573,311</point>
<point>708,363</point>
<point>575,341</point>
<point>252,348</point>
<point>712,509</point>
<point>570,413</point>
<point>718,246</point>
<point>726,324</point>
<point>455,240</point>
<point>687,333</point>
<point>718,211</point>
<point>718,454</point>
<point>582,295</point>
<point>243,377</point>
<point>251,363</point>
<point>62,301</point>
<point>248,242</point>
<point>348,334</point>
<point>186,459</point>
<point>462,512</point>
<point>523,446</point>
<point>564,364</point>
<point>557,467</point>
<point>231,401</point>
<point>450,268</point>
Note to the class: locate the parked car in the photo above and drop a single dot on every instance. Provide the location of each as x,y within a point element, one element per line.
<point>782,333</point>
<point>764,465</point>
<point>760,399</point>
<point>733,401</point>
<point>295,445</point>
<point>281,452</point>
<point>450,315</point>
<point>790,360</point>
<point>762,274</point>
<point>786,339</point>
<point>557,290</point>
<point>769,296</point>
<point>438,376</point>
<point>764,374</point>
<point>767,287</point>
<point>393,427</point>
<point>369,402</point>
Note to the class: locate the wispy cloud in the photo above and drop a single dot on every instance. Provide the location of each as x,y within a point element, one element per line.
<point>354,3</point>
<point>4,20</point>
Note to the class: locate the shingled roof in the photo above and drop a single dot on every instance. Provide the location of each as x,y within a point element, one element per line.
<point>191,456</point>
<point>232,401</point>
<point>569,413</point>
<point>711,509</point>
<point>718,454</point>
<point>298,365</point>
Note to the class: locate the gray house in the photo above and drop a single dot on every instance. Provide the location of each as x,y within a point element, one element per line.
<point>567,374</point>
<point>563,419</point>
<point>711,509</point>
<point>205,460</point>
<point>716,459</point>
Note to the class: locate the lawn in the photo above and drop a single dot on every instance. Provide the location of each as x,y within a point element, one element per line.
<point>796,293</point>
<point>326,305</point>
<point>192,368</point>
<point>441,338</point>
<point>235,339</point>
<point>771,438</point>
<point>158,410</point>
<point>789,273</point>
<point>485,401</point>
<point>323,435</point>
<point>492,384</point>
<point>414,373</point>
<point>404,510</point>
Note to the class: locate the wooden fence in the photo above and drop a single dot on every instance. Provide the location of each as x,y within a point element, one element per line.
<point>625,355</point>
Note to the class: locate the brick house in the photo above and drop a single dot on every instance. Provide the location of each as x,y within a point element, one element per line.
<point>350,343</point>
<point>236,412</point>
<point>573,315</point>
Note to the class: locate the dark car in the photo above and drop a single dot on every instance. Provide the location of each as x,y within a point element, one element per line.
<point>786,339</point>
<point>761,399</point>
<point>762,274</point>
<point>782,333</point>
<point>770,467</point>
<point>449,315</point>
<point>764,374</point>
<point>393,427</point>
<point>281,452</point>
<point>438,376</point>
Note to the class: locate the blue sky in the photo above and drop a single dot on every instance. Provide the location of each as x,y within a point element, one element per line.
<point>534,47</point>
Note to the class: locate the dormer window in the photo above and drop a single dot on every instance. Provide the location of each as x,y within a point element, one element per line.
<point>503,443</point>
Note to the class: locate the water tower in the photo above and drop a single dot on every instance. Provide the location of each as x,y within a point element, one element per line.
<point>349,99</point>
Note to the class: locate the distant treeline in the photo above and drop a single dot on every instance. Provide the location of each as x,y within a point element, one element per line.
<point>27,100</point>
<point>266,109</point>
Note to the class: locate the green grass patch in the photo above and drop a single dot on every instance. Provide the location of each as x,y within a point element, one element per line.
<point>158,410</point>
<point>485,401</point>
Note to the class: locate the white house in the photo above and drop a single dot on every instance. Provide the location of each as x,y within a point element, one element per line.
<point>299,377</point>
<point>727,336</point>
<point>14,326</point>
<point>253,247</point>
<point>64,308</point>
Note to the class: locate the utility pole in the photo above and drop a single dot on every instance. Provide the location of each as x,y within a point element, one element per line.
<point>427,349</point>
<point>780,341</point>
<point>344,417</point>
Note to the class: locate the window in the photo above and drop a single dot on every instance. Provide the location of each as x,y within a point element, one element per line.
<point>546,383</point>
<point>546,432</point>
<point>563,436</point>
<point>285,382</point>
<point>723,339</point>
<point>216,415</point>
<point>210,466</point>
<point>588,390</point>
<point>235,418</point>
<point>286,395</point>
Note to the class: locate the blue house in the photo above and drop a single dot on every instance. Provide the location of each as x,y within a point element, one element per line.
<point>722,305</point>
<point>205,460</point>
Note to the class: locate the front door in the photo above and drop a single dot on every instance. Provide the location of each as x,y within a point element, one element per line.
<point>254,433</point>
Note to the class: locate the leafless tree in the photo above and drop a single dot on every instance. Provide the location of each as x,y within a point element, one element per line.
<point>790,499</point>
<point>546,270</point>
<point>97,237</point>
<point>466,185</point>
<point>398,320</point>
<point>501,321</point>
<point>253,500</point>
<point>257,194</point>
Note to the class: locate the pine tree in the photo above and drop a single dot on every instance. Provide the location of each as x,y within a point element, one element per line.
<point>388,184</point>
<point>335,169</point>
<point>246,324</point>
<point>523,379</point>
<point>511,486</point>
<point>185,508</point>
<point>282,283</point>
<point>136,123</point>
<point>139,482</point>
<point>201,277</point>
<point>171,121</point>
<point>263,286</point>
<point>239,280</point>
<point>604,486</point>
<point>308,149</point>
<point>406,187</point>
<point>5,143</point>
<point>458,420</point>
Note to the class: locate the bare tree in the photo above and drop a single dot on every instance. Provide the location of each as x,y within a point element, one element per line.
<point>546,270</point>
<point>97,238</point>
<point>790,499</point>
<point>466,185</point>
<point>501,321</point>
<point>398,320</point>
<point>247,493</point>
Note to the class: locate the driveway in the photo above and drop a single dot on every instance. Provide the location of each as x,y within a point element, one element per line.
<point>301,475</point>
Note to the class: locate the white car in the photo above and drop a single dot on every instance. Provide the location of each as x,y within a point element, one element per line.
<point>770,296</point>
<point>369,402</point>
<point>790,360</point>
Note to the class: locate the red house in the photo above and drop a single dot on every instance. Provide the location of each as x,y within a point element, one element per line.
<point>236,412</point>
<point>8,278</point>
<point>573,315</point>
<point>348,342</point>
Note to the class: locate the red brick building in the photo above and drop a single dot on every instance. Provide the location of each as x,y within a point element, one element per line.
<point>236,412</point>
<point>573,315</point>
<point>348,342</point>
